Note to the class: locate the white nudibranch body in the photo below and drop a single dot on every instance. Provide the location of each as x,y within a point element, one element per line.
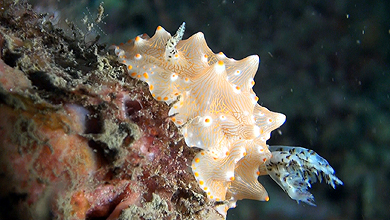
<point>215,105</point>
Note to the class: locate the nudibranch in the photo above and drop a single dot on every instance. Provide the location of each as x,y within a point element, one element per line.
<point>213,104</point>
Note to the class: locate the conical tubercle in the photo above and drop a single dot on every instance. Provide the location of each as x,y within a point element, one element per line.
<point>170,48</point>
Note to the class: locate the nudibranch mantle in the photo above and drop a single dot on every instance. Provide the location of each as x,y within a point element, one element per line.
<point>213,104</point>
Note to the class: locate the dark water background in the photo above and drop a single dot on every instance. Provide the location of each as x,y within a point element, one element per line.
<point>324,64</point>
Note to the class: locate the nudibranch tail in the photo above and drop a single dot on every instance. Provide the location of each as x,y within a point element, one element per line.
<point>245,184</point>
<point>214,174</point>
<point>212,101</point>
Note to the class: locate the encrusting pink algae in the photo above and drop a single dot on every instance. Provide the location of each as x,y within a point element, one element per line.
<point>82,137</point>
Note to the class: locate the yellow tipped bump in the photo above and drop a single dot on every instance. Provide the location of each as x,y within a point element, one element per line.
<point>205,58</point>
<point>219,67</point>
<point>196,174</point>
<point>146,75</point>
<point>197,160</point>
<point>133,74</point>
<point>201,182</point>
<point>159,28</point>
<point>207,121</point>
<point>267,199</point>
<point>129,67</point>
<point>137,39</point>
<point>232,178</point>
<point>138,56</point>
<point>174,77</point>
